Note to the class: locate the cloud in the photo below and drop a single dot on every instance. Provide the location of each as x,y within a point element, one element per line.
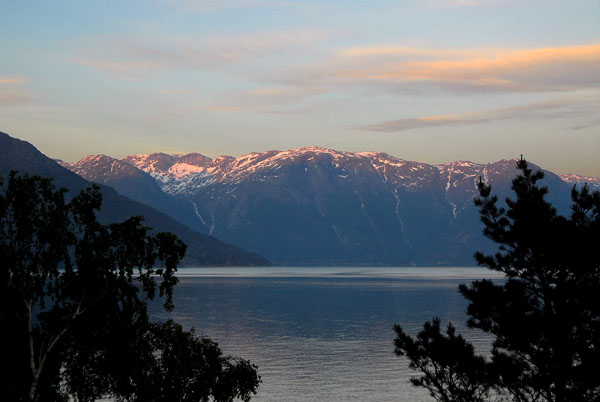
<point>462,3</point>
<point>272,100</point>
<point>272,59</point>
<point>207,6</point>
<point>405,71</point>
<point>13,91</point>
<point>412,123</point>
<point>583,108</point>
<point>461,70</point>
<point>133,58</point>
<point>280,95</point>
<point>15,80</point>
<point>216,6</point>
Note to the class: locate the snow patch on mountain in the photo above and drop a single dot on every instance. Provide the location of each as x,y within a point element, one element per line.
<point>190,173</point>
<point>180,170</point>
<point>593,182</point>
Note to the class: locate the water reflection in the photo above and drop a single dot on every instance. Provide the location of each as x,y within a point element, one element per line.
<point>324,334</point>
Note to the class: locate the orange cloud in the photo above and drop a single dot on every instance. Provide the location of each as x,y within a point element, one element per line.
<point>12,80</point>
<point>404,51</point>
<point>521,70</point>
<point>412,70</point>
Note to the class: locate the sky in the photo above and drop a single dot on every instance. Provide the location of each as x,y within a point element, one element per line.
<point>426,80</point>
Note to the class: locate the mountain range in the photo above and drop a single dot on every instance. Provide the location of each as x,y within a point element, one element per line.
<point>318,206</point>
<point>203,250</point>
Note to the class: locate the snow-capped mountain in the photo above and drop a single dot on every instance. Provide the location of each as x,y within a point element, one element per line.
<point>202,250</point>
<point>189,174</point>
<point>175,174</point>
<point>321,206</point>
<point>102,168</point>
<point>592,182</point>
<point>136,184</point>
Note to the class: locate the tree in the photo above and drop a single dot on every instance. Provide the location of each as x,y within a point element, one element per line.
<point>73,307</point>
<point>193,369</point>
<point>544,318</point>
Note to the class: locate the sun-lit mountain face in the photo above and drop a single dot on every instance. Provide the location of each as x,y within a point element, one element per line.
<point>593,182</point>
<point>171,169</point>
<point>316,205</point>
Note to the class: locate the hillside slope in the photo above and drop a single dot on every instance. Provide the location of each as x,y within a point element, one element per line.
<point>203,250</point>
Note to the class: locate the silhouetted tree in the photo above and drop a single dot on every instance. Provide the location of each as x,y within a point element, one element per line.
<point>190,369</point>
<point>73,307</point>
<point>544,318</point>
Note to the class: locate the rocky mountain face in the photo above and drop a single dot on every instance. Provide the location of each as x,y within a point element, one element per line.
<point>202,250</point>
<point>317,206</point>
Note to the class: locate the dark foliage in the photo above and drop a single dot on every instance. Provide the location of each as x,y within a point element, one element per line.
<point>189,369</point>
<point>452,372</point>
<point>544,319</point>
<point>73,313</point>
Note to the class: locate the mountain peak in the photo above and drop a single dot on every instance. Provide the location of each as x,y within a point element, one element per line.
<point>189,173</point>
<point>96,158</point>
<point>195,159</point>
<point>102,168</point>
<point>152,163</point>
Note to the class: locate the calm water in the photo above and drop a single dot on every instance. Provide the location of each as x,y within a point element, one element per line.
<point>322,334</point>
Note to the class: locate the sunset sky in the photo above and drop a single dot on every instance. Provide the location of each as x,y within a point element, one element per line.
<point>427,80</point>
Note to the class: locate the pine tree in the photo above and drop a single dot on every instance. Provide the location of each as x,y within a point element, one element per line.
<point>544,318</point>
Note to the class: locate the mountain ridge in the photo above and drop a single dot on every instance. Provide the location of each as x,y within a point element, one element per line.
<point>231,168</point>
<point>319,206</point>
<point>16,154</point>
